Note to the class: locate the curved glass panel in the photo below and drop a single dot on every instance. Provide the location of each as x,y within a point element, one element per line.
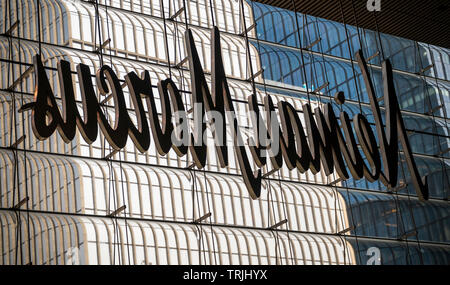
<point>66,239</point>
<point>78,203</point>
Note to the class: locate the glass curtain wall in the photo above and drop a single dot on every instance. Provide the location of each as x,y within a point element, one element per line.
<point>56,198</point>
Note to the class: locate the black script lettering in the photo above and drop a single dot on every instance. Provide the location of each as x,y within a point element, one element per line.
<point>139,87</point>
<point>329,131</point>
<point>199,89</point>
<point>317,144</point>
<point>259,131</point>
<point>394,128</point>
<point>180,140</point>
<point>275,148</point>
<point>325,145</point>
<point>297,152</point>
<point>116,136</point>
<point>349,148</point>
<point>45,116</point>
<point>142,87</point>
<point>252,179</point>
<point>369,146</point>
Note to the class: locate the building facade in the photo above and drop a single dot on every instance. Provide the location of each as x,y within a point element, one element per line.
<point>81,203</point>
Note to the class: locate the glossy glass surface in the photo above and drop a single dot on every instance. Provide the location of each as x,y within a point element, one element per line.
<point>72,189</point>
